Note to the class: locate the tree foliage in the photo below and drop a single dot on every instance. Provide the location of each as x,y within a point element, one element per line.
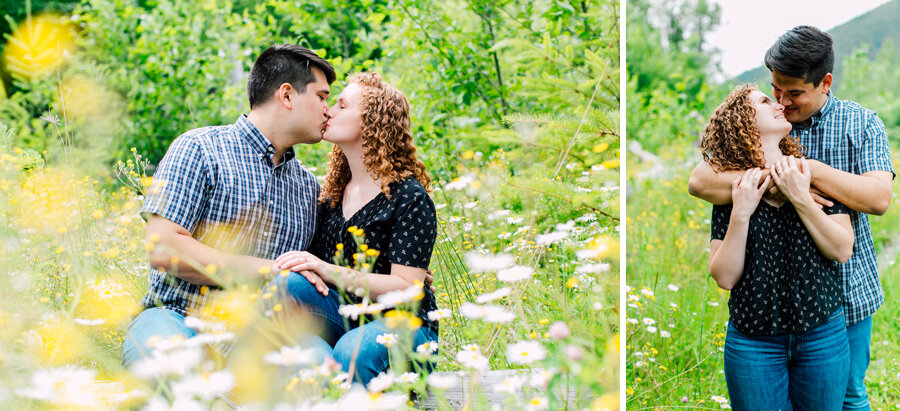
<point>669,71</point>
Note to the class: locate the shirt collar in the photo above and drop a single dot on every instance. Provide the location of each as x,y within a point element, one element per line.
<point>829,105</point>
<point>258,141</point>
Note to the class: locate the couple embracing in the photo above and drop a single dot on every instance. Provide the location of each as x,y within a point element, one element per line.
<point>236,197</point>
<point>793,179</point>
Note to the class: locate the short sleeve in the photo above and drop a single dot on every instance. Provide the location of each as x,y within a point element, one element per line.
<point>721,215</point>
<point>837,208</point>
<point>414,228</point>
<point>180,185</point>
<point>874,152</point>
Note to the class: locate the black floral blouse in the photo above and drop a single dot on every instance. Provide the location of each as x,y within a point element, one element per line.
<point>788,285</point>
<point>401,228</point>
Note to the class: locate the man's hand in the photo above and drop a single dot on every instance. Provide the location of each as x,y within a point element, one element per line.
<point>820,197</point>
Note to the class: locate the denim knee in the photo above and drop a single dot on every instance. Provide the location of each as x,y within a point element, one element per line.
<point>371,359</point>
<point>296,287</point>
<point>157,322</point>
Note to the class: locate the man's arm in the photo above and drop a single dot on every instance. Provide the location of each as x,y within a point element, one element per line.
<point>868,193</point>
<point>714,187</point>
<point>181,255</point>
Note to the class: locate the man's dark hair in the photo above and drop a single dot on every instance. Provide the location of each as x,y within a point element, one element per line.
<point>803,52</point>
<point>284,63</point>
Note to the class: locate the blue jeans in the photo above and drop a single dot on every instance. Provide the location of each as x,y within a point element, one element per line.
<point>806,371</point>
<point>153,322</point>
<point>859,336</point>
<point>372,358</point>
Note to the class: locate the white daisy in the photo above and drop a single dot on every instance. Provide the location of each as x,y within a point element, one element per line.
<point>289,356</point>
<point>478,263</point>
<point>472,359</point>
<point>439,314</point>
<point>525,352</point>
<point>496,295</point>
<point>515,273</point>
<point>387,339</point>
<point>382,382</point>
<point>205,386</point>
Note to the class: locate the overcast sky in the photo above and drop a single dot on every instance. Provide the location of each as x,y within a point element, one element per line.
<point>749,28</point>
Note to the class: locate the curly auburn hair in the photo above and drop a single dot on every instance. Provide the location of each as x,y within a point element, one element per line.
<point>731,141</point>
<point>388,151</point>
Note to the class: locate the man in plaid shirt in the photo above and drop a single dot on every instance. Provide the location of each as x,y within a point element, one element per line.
<point>227,200</point>
<point>851,163</point>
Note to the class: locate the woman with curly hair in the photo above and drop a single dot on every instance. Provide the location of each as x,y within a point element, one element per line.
<point>786,344</point>
<point>375,189</point>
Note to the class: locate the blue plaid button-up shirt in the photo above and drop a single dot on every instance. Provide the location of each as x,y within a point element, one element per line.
<point>220,184</point>
<point>850,138</point>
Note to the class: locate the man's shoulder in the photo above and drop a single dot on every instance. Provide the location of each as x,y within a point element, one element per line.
<point>850,109</point>
<point>208,135</point>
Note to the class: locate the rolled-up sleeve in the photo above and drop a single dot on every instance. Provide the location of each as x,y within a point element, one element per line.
<point>180,185</point>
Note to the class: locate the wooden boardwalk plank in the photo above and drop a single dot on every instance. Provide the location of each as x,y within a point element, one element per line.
<point>486,396</point>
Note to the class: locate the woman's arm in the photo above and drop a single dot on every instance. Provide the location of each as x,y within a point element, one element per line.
<point>832,234</point>
<point>401,276</point>
<point>726,256</point>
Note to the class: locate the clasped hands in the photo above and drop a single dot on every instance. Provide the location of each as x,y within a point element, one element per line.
<point>320,273</point>
<point>786,180</point>
<point>316,271</point>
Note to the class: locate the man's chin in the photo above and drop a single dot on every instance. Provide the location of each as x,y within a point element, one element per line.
<point>793,117</point>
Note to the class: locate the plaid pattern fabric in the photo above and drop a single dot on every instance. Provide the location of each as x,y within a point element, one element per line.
<point>851,138</point>
<point>219,183</point>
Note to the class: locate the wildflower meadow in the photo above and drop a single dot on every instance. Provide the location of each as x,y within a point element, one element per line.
<point>515,114</point>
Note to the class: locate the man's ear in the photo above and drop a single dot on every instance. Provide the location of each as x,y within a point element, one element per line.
<point>284,94</point>
<point>826,83</point>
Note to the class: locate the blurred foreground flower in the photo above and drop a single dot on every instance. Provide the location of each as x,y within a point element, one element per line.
<point>600,247</point>
<point>472,359</point>
<point>525,352</point>
<point>58,341</point>
<point>108,302</point>
<point>38,46</point>
<point>288,356</point>
<point>73,388</point>
<point>478,263</point>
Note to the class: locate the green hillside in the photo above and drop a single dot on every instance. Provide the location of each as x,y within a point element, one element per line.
<point>870,29</point>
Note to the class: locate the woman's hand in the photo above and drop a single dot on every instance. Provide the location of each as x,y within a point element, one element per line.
<point>792,176</point>
<point>315,270</point>
<point>746,191</point>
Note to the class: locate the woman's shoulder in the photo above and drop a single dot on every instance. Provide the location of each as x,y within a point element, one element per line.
<point>409,188</point>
